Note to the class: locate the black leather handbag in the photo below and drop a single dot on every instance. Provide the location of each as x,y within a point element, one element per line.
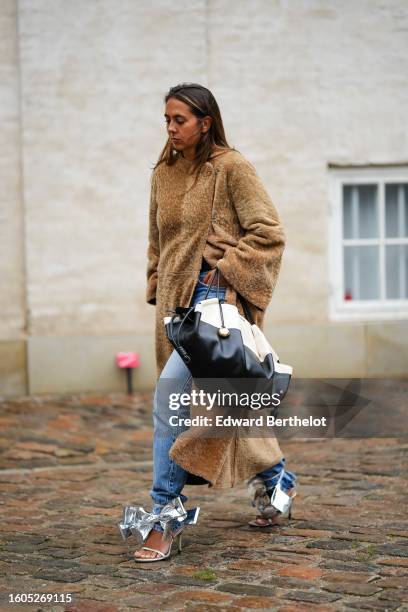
<point>215,341</point>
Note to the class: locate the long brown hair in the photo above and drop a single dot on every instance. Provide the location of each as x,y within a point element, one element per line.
<point>201,103</point>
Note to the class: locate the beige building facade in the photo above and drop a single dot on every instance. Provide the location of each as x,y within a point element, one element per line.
<point>313,93</point>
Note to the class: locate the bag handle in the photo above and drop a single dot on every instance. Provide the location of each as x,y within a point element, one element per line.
<point>216,274</point>
<point>243,301</point>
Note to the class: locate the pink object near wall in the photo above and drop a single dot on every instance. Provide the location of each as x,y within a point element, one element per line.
<point>127,361</point>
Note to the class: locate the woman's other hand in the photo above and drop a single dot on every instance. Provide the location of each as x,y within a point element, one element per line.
<point>207,279</point>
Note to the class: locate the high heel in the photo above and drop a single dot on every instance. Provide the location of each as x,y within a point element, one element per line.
<point>176,537</point>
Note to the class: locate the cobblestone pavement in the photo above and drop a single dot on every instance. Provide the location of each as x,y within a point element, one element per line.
<point>70,463</point>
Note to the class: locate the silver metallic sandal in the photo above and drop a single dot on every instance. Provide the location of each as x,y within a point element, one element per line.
<point>274,505</point>
<point>173,518</point>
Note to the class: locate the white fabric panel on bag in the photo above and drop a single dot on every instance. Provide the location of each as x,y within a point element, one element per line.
<point>247,336</point>
<point>283,368</point>
<point>263,346</point>
<point>210,313</point>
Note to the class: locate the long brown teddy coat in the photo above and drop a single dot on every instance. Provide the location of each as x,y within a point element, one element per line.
<point>229,219</point>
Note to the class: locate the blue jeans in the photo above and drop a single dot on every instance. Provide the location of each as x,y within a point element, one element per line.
<point>168,477</point>
<point>271,476</point>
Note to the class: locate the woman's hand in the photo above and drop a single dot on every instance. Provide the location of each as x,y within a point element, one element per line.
<point>207,279</point>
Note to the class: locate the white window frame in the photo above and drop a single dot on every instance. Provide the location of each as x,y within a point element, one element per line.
<point>358,310</point>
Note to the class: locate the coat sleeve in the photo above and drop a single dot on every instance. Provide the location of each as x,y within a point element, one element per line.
<point>153,249</point>
<point>252,266</point>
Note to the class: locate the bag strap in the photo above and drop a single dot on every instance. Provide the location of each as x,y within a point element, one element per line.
<point>246,309</point>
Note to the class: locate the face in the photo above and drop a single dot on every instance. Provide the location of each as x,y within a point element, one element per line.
<point>183,127</point>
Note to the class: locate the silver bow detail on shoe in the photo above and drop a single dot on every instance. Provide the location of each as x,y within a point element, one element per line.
<point>136,521</point>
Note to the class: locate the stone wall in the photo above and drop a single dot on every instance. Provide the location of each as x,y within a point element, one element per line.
<point>300,85</point>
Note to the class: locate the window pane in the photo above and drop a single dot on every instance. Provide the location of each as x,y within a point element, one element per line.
<point>405,190</point>
<point>368,211</point>
<point>391,211</point>
<point>396,210</point>
<point>360,211</point>
<point>361,273</point>
<point>347,218</point>
<point>396,262</point>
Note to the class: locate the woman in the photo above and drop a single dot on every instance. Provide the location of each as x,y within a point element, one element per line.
<point>208,210</point>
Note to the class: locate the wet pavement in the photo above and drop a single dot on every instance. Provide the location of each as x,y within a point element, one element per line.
<point>69,463</point>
